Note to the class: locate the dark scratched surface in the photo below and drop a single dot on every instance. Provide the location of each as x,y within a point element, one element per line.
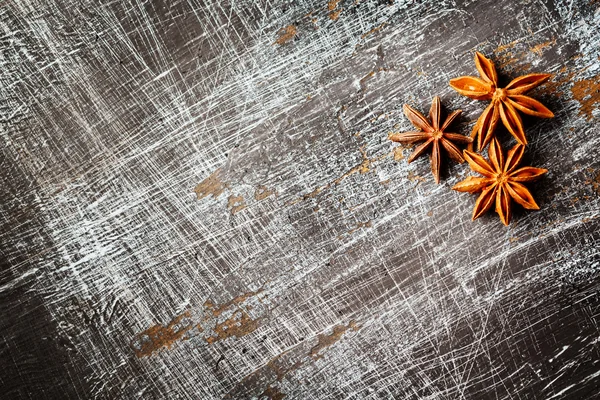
<point>199,201</point>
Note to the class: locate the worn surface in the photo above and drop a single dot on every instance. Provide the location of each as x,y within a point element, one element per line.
<point>199,201</point>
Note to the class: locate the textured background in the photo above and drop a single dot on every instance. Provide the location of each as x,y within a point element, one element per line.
<point>199,200</point>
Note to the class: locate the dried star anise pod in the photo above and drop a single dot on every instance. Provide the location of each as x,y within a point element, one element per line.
<point>505,101</point>
<point>501,182</point>
<point>433,134</point>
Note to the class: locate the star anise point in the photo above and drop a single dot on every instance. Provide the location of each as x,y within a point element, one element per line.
<point>433,134</point>
<point>502,182</point>
<point>504,101</point>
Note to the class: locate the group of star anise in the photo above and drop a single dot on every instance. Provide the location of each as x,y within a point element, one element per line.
<point>501,182</point>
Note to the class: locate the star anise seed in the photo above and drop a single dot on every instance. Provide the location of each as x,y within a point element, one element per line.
<point>501,181</point>
<point>433,134</point>
<point>505,101</point>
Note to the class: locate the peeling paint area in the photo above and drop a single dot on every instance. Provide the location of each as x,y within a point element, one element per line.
<point>199,200</point>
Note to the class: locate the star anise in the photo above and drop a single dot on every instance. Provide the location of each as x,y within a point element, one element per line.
<point>505,101</point>
<point>501,182</point>
<point>433,134</point>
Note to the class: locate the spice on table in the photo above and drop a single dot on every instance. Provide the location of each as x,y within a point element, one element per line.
<point>501,182</point>
<point>433,134</point>
<point>505,101</point>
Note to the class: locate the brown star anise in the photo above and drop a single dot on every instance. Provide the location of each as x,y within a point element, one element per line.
<point>505,101</point>
<point>501,181</point>
<point>433,134</point>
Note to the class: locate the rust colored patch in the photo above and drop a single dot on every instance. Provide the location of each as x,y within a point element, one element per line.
<point>159,336</point>
<point>377,28</point>
<point>326,341</point>
<point>262,192</point>
<point>361,225</point>
<point>398,155</point>
<point>556,85</point>
<point>587,93</point>
<point>415,178</point>
<point>213,185</point>
<point>286,34</point>
<point>273,393</point>
<point>236,203</point>
<point>539,48</point>
<point>505,57</point>
<point>238,325</point>
<point>334,13</point>
<point>594,182</point>
<point>504,47</point>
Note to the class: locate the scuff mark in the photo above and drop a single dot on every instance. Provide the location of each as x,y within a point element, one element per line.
<point>218,310</point>
<point>362,168</point>
<point>326,341</point>
<point>360,225</point>
<point>213,185</point>
<point>587,93</point>
<point>292,359</point>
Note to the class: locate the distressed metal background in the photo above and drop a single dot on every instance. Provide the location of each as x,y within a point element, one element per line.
<point>199,201</point>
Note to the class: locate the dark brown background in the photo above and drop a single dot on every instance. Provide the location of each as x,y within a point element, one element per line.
<point>199,200</point>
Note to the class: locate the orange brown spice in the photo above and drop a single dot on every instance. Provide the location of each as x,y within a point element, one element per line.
<point>433,134</point>
<point>501,182</point>
<point>505,102</point>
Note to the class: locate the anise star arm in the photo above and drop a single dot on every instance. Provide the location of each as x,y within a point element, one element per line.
<point>417,119</point>
<point>472,87</point>
<point>434,113</point>
<point>514,156</point>
<point>486,68</point>
<point>408,137</point>
<point>503,201</point>
<point>486,125</point>
<point>521,195</point>
<point>527,174</point>
<point>525,83</point>
<point>452,150</point>
<point>479,164</point>
<point>456,137</point>
<point>436,161</point>
<point>449,119</point>
<point>419,150</point>
<point>529,106</point>
<point>484,202</point>
<point>473,184</point>
<point>496,156</point>
<point>512,121</point>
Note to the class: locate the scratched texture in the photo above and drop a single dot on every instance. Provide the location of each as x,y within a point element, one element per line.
<point>199,201</point>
